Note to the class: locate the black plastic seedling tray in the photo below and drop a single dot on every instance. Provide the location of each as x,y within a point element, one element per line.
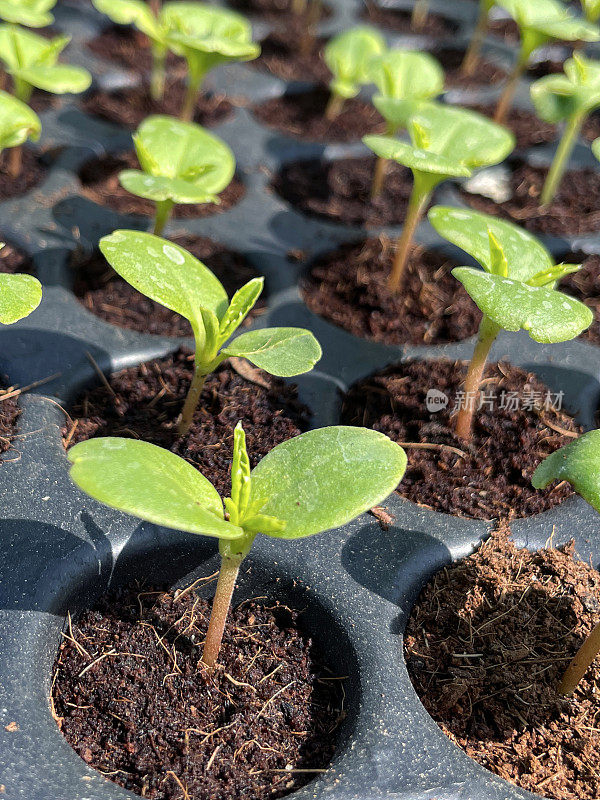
<point>60,551</point>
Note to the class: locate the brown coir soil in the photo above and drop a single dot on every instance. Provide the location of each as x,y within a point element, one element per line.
<point>14,260</point>
<point>100,182</point>
<point>529,129</point>
<point>152,718</point>
<point>281,12</point>
<point>349,288</point>
<point>574,210</point>
<point>9,414</point>
<point>486,646</point>
<point>32,173</point>
<point>451,59</point>
<point>340,191</point>
<point>302,114</point>
<point>128,47</point>
<point>400,21</point>
<point>585,286</point>
<point>130,106</point>
<point>107,295</point>
<point>283,54</point>
<point>144,402</point>
<point>491,477</point>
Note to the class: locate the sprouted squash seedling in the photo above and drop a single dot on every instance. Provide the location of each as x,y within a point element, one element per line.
<point>570,97</point>
<point>539,22</point>
<point>18,123</point>
<point>306,485</point>
<point>31,13</point>
<point>348,55</point>
<point>591,10</point>
<point>445,143</point>
<point>515,291</point>
<point>19,296</point>
<point>172,277</point>
<point>181,163</point>
<point>404,79</point>
<point>579,464</point>
<point>471,58</point>
<point>206,36</point>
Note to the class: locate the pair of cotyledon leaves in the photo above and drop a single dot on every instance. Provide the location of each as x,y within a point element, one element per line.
<point>576,92</point>
<point>348,56</point>
<point>311,483</point>
<point>515,290</point>
<point>171,276</point>
<point>181,162</point>
<point>542,20</point>
<point>32,61</point>
<point>31,13</point>
<point>446,142</point>
<point>205,35</point>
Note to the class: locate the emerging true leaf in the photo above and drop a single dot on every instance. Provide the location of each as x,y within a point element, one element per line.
<point>31,13</point>
<point>348,55</point>
<point>19,296</point>
<point>578,463</point>
<point>280,351</point>
<point>547,315</point>
<point>577,91</point>
<point>18,122</point>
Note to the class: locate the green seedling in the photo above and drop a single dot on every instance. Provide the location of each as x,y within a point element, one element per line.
<point>539,21</point>
<point>19,296</point>
<point>181,163</point>
<point>471,58</point>
<point>515,290</point>
<point>445,143</point>
<point>18,123</point>
<point>596,148</point>
<point>307,485</point>
<point>349,56</point>
<point>567,98</point>
<point>591,10</point>
<point>405,79</point>
<point>579,464</point>
<point>31,13</point>
<point>206,36</point>
<point>172,277</point>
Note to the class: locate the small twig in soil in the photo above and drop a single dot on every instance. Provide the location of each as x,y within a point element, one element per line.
<point>99,372</point>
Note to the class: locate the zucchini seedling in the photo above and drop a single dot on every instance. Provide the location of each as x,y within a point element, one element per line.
<point>515,290</point>
<point>171,276</point>
<point>405,79</point>
<point>18,123</point>
<point>445,143</point>
<point>19,296</point>
<point>30,13</point>
<point>348,56</point>
<point>539,22</point>
<point>309,484</point>
<point>578,463</point>
<point>181,163</point>
<point>567,98</point>
<point>206,36</point>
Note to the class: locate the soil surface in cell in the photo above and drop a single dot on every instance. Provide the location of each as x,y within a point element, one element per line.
<point>152,718</point>
<point>281,12</point>
<point>340,191</point>
<point>573,211</point>
<point>144,402</point>
<point>349,287</point>
<point>529,129</point>
<point>303,115</point>
<point>519,423</point>
<point>585,286</point>
<point>32,172</point>
<point>9,414</point>
<point>130,106</point>
<point>284,54</point>
<point>12,259</point>
<point>100,182</point>
<point>486,646</point>
<point>451,59</point>
<point>103,292</point>
<point>128,47</point>
<point>400,21</point>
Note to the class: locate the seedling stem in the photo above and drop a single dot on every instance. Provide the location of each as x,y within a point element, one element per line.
<point>192,400</point>
<point>194,85</point>
<point>561,158</point>
<point>419,14</point>
<point>15,161</point>
<point>471,58</point>
<point>380,169</point>
<point>507,97</point>
<point>163,213</point>
<point>157,78</point>
<point>579,665</point>
<point>299,6</point>
<point>419,200</point>
<point>334,106</point>
<point>488,331</point>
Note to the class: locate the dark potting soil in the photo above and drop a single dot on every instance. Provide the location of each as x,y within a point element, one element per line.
<point>527,127</point>
<point>349,288</point>
<point>281,11</point>
<point>491,477</point>
<point>400,20</point>
<point>451,60</point>
<point>585,286</point>
<point>340,191</point>
<point>591,127</point>
<point>144,402</point>
<point>128,47</point>
<point>128,107</point>
<point>282,55</point>
<point>33,172</point>
<point>100,181</point>
<point>574,210</point>
<point>153,719</point>
<point>14,260</point>
<point>9,414</point>
<point>505,28</point>
<point>486,646</point>
<point>103,292</point>
<point>303,115</point>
